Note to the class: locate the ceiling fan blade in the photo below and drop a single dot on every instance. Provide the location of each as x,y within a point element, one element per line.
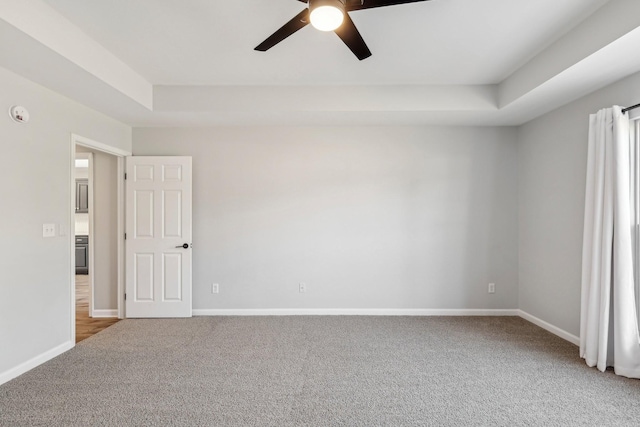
<point>370,4</point>
<point>352,38</point>
<point>299,21</point>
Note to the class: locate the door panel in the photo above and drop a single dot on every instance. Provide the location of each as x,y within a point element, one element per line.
<point>172,277</point>
<point>143,214</point>
<point>143,277</point>
<point>171,212</point>
<point>158,225</point>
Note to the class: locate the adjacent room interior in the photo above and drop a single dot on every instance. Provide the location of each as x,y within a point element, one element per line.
<point>95,225</point>
<point>385,223</point>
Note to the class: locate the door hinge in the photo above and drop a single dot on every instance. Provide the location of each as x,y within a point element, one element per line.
<point>125,236</point>
<point>125,296</point>
<point>125,176</point>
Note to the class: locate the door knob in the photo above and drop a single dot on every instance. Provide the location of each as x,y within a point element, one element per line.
<point>186,246</point>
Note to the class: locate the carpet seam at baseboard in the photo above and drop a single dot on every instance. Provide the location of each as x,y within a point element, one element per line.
<point>35,361</point>
<point>50,354</point>
<point>354,312</point>
<point>559,332</point>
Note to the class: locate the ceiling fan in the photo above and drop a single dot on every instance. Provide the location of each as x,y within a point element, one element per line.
<point>331,15</point>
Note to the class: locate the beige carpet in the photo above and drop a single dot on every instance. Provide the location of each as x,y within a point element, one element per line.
<point>321,371</point>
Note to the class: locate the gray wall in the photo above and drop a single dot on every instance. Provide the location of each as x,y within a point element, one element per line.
<point>105,229</point>
<point>35,289</point>
<point>552,180</point>
<point>390,217</point>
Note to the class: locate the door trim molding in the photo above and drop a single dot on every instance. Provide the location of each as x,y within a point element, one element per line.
<point>90,143</point>
<point>120,154</point>
<point>121,228</point>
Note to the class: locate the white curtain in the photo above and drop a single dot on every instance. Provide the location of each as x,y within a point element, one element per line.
<point>608,321</point>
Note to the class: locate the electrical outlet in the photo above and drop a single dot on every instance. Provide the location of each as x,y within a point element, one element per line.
<point>215,288</point>
<point>302,287</point>
<point>492,288</point>
<point>48,230</point>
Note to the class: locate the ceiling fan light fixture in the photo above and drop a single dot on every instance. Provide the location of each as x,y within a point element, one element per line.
<point>326,15</point>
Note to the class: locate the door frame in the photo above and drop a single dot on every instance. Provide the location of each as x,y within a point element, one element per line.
<point>120,208</point>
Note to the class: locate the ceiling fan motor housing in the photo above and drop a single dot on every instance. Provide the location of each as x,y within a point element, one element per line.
<point>338,4</point>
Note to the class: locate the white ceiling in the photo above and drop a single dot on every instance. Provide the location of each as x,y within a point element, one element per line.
<point>168,63</point>
<point>205,42</point>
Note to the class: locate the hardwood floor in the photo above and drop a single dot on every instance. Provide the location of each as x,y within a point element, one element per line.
<point>85,325</point>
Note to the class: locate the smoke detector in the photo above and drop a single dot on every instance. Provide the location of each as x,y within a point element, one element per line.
<point>19,114</point>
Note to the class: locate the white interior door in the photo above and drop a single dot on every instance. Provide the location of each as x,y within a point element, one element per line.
<point>158,227</point>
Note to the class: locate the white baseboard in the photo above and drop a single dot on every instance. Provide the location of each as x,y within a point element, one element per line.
<point>105,313</point>
<point>35,361</point>
<point>353,312</point>
<point>549,327</point>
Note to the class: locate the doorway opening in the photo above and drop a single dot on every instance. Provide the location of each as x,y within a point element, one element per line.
<point>97,240</point>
